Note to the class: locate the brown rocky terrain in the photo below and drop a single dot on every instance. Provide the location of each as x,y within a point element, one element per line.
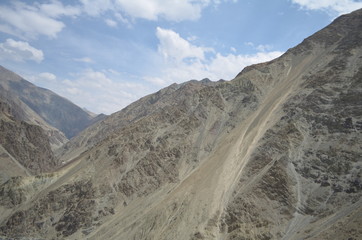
<point>29,117</point>
<point>24,143</point>
<point>20,111</point>
<point>273,154</point>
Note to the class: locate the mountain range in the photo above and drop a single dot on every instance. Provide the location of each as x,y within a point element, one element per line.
<point>274,153</point>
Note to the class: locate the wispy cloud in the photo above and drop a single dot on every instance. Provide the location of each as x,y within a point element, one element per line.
<point>97,7</point>
<point>338,6</point>
<point>260,47</point>
<point>172,10</point>
<point>30,21</point>
<point>84,59</point>
<point>111,22</point>
<point>19,51</point>
<point>56,9</point>
<point>46,76</point>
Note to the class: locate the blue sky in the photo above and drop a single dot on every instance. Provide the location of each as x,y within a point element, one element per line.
<point>105,54</point>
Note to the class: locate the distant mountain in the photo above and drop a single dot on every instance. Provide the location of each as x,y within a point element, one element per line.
<point>273,154</point>
<point>21,112</point>
<point>32,121</point>
<point>54,109</point>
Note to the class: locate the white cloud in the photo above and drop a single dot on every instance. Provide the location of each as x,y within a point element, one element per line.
<point>173,10</point>
<point>103,91</point>
<point>264,47</point>
<point>56,9</point>
<point>46,76</point>
<point>97,7</point>
<point>260,47</point>
<point>228,66</point>
<point>84,59</point>
<point>99,91</point>
<point>338,6</point>
<point>174,47</point>
<point>74,91</point>
<point>43,79</point>
<point>122,19</point>
<point>111,22</point>
<point>30,21</point>
<point>192,38</point>
<point>19,51</point>
<point>158,81</point>
<point>218,67</point>
<point>185,61</point>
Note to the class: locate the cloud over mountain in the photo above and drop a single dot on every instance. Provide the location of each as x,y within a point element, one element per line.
<point>19,51</point>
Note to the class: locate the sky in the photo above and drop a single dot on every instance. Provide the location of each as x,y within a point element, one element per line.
<point>105,54</point>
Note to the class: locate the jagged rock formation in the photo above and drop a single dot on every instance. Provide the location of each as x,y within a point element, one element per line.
<point>273,154</point>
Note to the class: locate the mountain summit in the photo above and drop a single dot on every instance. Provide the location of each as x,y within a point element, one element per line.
<point>273,154</point>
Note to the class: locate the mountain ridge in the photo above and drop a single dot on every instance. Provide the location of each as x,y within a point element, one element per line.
<point>271,154</point>
<point>29,135</point>
<point>55,110</point>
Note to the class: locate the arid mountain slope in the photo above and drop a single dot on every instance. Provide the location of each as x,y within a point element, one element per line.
<point>20,111</point>
<point>24,147</point>
<point>28,134</point>
<point>273,154</point>
<point>55,110</point>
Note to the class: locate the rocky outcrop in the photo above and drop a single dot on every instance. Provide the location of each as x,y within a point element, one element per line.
<point>25,143</point>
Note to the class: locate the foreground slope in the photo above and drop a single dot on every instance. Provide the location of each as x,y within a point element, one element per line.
<point>273,154</point>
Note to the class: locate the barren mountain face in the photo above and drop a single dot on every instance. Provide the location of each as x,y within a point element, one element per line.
<point>273,154</point>
<point>52,109</point>
<point>23,144</point>
<point>32,121</point>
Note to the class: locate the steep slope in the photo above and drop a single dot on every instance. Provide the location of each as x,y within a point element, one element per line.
<point>55,110</point>
<point>20,111</point>
<point>152,104</point>
<point>23,146</point>
<point>273,154</point>
<point>27,140</point>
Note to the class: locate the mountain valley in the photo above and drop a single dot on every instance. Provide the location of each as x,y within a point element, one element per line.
<point>274,153</point>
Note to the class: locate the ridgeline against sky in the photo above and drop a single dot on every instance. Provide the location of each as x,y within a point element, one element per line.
<point>103,55</point>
